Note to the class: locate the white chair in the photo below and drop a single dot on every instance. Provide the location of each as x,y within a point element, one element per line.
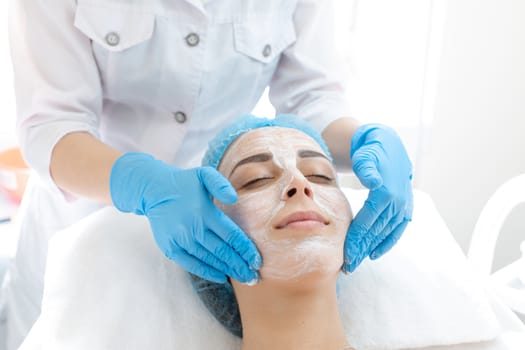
<point>509,282</point>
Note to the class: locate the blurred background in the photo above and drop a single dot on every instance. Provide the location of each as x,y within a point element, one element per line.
<point>7,116</point>
<point>448,75</point>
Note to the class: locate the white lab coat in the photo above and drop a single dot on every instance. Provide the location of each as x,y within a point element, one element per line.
<point>155,76</point>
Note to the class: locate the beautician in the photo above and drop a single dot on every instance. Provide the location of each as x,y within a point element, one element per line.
<point>118,99</point>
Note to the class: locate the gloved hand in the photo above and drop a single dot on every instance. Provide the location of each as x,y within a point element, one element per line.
<point>188,228</point>
<point>381,163</point>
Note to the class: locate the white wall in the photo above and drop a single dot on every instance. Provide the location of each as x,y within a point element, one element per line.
<point>386,51</point>
<point>477,140</point>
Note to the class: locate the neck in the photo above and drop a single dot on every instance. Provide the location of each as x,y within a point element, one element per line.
<point>285,315</point>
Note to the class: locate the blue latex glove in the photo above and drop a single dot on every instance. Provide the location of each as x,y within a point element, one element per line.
<point>188,228</point>
<point>381,163</point>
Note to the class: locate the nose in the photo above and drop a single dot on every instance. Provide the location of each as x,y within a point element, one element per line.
<point>298,187</point>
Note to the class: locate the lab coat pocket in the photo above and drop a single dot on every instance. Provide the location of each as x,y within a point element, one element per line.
<point>114,30</point>
<point>263,38</point>
<point>129,60</point>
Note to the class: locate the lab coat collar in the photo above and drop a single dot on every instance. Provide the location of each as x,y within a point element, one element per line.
<point>198,4</point>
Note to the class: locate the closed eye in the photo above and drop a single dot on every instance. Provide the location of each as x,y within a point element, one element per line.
<point>256,182</point>
<point>319,178</point>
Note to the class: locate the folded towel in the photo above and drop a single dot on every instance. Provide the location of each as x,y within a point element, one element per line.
<point>422,293</point>
<point>109,287</point>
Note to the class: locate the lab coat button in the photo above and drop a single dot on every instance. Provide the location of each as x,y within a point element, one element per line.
<point>112,39</point>
<point>267,51</point>
<point>180,117</point>
<point>192,39</point>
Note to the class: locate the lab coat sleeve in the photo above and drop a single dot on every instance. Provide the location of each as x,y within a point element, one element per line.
<point>57,86</point>
<point>309,80</point>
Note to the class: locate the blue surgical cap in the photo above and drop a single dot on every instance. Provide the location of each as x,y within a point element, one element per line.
<point>219,298</point>
<point>218,145</point>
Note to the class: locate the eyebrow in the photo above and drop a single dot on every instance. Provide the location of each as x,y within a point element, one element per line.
<point>306,153</point>
<point>264,157</point>
<point>256,158</point>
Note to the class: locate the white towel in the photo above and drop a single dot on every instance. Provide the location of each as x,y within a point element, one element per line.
<point>422,293</point>
<point>109,287</point>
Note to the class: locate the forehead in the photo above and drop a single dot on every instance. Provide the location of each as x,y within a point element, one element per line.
<point>273,139</point>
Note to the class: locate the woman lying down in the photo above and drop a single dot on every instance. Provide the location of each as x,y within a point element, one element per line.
<point>108,286</point>
<point>290,205</point>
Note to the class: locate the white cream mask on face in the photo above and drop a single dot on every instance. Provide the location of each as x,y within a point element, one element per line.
<point>288,252</point>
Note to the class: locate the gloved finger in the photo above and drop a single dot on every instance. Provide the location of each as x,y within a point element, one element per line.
<point>385,232</point>
<point>377,232</point>
<point>391,230</point>
<point>358,238</point>
<point>410,206</point>
<point>373,207</point>
<point>364,164</point>
<point>221,256</point>
<point>389,241</point>
<point>196,266</point>
<point>353,261</point>
<point>217,185</point>
<point>230,233</point>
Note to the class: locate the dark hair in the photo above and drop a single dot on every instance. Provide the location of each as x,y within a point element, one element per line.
<point>220,300</point>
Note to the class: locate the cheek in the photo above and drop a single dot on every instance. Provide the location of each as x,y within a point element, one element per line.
<point>334,204</point>
<point>253,212</point>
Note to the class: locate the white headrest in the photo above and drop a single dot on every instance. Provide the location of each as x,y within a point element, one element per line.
<point>109,287</point>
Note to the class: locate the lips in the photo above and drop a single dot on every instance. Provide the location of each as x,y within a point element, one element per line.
<point>302,219</point>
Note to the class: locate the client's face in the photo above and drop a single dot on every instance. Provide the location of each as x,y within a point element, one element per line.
<point>289,202</point>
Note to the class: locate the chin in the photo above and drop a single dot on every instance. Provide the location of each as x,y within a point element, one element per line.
<point>316,279</point>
